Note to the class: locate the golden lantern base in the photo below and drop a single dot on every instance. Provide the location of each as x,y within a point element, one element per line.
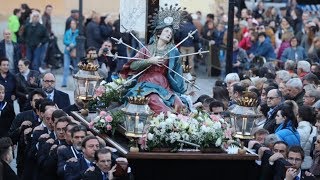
<point>243,136</point>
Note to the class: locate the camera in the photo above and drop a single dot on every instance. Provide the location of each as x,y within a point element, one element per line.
<point>105,50</point>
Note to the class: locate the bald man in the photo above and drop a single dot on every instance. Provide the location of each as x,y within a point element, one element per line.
<point>48,86</point>
<point>10,50</point>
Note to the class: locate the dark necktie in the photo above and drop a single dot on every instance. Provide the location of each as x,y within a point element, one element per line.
<point>105,176</point>
<point>52,135</point>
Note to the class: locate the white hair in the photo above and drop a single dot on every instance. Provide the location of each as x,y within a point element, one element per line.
<point>232,77</point>
<point>283,75</point>
<point>304,65</point>
<point>295,83</point>
<point>35,13</point>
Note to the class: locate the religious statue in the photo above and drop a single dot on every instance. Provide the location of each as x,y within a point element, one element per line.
<point>161,80</point>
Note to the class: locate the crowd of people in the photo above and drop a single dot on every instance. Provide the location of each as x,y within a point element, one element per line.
<point>276,55</point>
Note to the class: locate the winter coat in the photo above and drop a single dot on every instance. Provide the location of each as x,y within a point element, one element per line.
<point>306,132</point>
<point>288,134</point>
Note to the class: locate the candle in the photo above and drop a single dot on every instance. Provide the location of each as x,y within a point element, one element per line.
<point>137,121</point>
<point>244,125</point>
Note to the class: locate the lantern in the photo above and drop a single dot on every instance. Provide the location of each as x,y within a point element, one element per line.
<point>244,114</point>
<point>137,115</point>
<point>86,80</point>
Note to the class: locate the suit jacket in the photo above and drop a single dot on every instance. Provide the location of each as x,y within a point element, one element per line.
<point>7,115</point>
<point>10,83</point>
<point>16,53</point>
<point>270,123</point>
<point>24,86</point>
<point>304,177</point>
<point>17,136</point>
<point>7,172</point>
<point>63,156</point>
<point>61,99</point>
<point>75,170</point>
<point>97,175</point>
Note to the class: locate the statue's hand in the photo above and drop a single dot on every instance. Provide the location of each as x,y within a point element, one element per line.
<point>157,60</point>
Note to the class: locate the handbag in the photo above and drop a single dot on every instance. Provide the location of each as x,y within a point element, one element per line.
<point>73,53</point>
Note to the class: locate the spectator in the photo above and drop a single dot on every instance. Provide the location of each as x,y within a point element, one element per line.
<point>264,48</point>
<point>187,46</point>
<point>314,51</point>
<point>221,94</point>
<point>14,24</point>
<point>107,27</point>
<point>282,76</point>
<point>216,108</point>
<point>10,50</point>
<point>7,113</point>
<point>107,64</point>
<point>260,135</point>
<point>8,80</point>
<point>295,90</point>
<point>74,16</point>
<point>93,33</point>
<point>307,132</point>
<point>309,38</point>
<point>26,80</point>
<point>6,158</point>
<point>287,122</point>
<point>315,69</point>
<point>310,78</point>
<point>36,37</point>
<point>231,78</point>
<point>240,58</point>
<point>303,68</point>
<point>311,97</point>
<point>70,56</point>
<point>294,52</point>
<point>315,168</point>
<point>48,86</point>
<point>286,37</point>
<point>295,156</point>
<point>46,19</point>
<point>274,102</point>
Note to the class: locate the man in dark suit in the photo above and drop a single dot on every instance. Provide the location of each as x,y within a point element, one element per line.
<point>27,81</point>
<point>10,50</point>
<point>74,170</point>
<point>295,157</point>
<point>25,122</point>
<point>73,152</point>
<point>5,159</point>
<point>102,169</point>
<point>48,85</point>
<point>274,102</point>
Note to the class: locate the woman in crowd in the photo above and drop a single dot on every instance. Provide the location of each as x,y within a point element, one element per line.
<point>294,52</point>
<point>287,122</point>
<point>306,130</point>
<point>69,41</point>
<point>285,43</point>
<point>315,168</point>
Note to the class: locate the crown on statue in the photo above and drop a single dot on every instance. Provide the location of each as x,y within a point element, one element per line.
<point>139,100</point>
<point>248,99</point>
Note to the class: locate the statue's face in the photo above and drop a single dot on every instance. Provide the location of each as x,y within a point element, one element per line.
<point>166,34</point>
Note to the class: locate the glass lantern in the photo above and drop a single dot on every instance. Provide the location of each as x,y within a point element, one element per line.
<point>137,115</point>
<point>244,114</point>
<point>86,80</point>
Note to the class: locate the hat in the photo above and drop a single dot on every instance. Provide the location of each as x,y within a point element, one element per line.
<point>254,21</point>
<point>74,11</point>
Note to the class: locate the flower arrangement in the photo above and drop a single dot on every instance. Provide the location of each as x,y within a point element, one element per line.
<point>107,122</point>
<point>171,131</point>
<point>108,93</point>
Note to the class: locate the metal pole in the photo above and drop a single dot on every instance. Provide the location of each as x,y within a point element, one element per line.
<point>230,37</point>
<point>80,39</point>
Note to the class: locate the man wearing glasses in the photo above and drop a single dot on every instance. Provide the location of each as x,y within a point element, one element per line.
<point>295,157</point>
<point>48,85</point>
<point>274,102</point>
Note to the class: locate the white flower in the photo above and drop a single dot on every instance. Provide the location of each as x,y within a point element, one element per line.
<point>150,136</point>
<point>218,142</point>
<point>103,82</point>
<point>102,120</point>
<point>216,125</point>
